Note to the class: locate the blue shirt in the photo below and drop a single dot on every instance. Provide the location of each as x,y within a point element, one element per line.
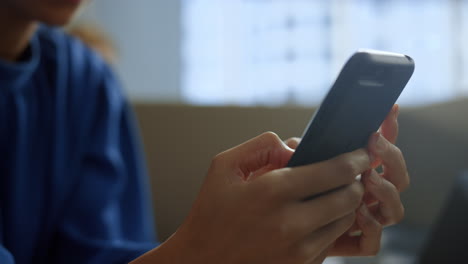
<point>73,188</point>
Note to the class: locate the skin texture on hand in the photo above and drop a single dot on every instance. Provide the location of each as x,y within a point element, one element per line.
<point>250,209</point>
<point>382,205</point>
<point>238,218</point>
<point>253,210</point>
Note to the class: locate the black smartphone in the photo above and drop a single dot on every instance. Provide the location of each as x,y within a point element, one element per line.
<point>358,102</point>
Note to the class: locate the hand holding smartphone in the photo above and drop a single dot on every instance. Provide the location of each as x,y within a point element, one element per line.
<point>361,97</point>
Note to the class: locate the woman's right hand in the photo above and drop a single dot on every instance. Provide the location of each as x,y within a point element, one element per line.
<point>242,217</point>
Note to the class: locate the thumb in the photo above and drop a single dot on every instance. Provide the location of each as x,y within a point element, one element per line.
<point>257,156</point>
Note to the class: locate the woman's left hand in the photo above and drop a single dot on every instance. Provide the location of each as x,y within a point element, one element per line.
<point>382,205</point>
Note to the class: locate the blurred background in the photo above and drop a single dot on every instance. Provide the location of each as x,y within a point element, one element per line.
<point>274,52</point>
<point>205,75</point>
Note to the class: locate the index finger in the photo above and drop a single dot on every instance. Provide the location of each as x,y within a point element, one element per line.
<point>266,150</point>
<point>393,162</point>
<point>366,244</point>
<point>311,180</point>
<point>389,127</point>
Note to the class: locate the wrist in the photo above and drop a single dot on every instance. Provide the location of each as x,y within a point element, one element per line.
<point>167,252</point>
<point>175,250</point>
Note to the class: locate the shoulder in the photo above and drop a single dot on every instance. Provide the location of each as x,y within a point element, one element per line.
<point>81,73</point>
<point>69,53</point>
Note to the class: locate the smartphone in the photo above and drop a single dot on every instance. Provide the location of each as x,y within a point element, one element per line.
<point>356,105</point>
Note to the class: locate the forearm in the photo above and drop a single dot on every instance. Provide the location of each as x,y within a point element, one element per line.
<point>170,252</point>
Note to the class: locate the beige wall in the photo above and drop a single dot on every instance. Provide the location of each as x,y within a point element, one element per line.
<point>181,140</point>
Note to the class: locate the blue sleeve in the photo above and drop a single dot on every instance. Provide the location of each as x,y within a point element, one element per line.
<point>108,219</point>
<point>5,256</point>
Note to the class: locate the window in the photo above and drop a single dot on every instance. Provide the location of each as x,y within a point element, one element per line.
<point>274,52</point>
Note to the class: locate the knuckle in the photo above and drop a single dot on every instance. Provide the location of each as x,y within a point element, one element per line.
<point>293,142</point>
<point>286,229</point>
<point>305,251</point>
<point>295,139</point>
<point>271,138</point>
<point>374,250</point>
<point>218,159</point>
<point>354,194</point>
<point>273,187</point>
<point>348,167</point>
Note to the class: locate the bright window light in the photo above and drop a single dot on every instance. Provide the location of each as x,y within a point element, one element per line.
<point>276,52</point>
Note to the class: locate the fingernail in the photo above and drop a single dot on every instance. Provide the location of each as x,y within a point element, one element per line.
<point>355,233</point>
<point>359,177</point>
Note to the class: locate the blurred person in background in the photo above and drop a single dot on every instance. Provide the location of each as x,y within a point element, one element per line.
<point>73,183</point>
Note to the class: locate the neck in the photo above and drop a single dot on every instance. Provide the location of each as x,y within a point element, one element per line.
<point>16,33</point>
